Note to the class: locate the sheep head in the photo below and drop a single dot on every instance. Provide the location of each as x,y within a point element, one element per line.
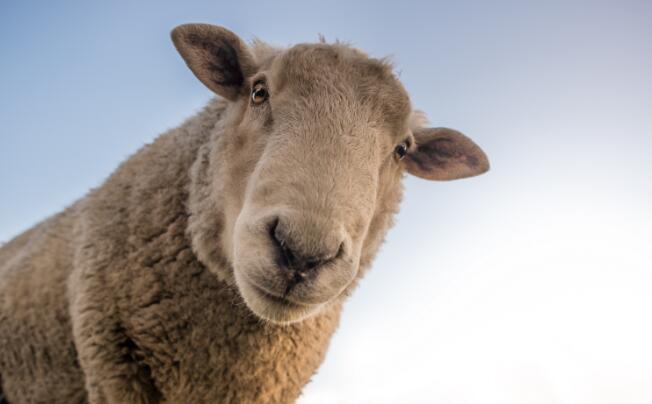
<point>312,150</point>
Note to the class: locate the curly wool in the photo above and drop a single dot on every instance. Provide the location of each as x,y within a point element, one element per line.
<point>110,292</point>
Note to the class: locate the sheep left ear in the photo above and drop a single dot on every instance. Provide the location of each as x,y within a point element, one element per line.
<point>216,56</point>
<point>445,154</point>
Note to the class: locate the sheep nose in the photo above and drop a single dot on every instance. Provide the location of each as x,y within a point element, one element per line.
<point>297,260</point>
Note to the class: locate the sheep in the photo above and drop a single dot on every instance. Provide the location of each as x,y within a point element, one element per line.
<point>213,264</point>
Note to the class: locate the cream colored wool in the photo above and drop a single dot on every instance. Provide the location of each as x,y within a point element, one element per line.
<point>212,265</point>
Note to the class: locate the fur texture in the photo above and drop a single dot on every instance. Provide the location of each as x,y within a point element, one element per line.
<point>187,276</point>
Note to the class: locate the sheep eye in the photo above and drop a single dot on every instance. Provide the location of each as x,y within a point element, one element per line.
<point>259,94</point>
<point>401,150</point>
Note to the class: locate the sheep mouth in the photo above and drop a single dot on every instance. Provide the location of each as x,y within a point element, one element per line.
<point>276,299</point>
<point>272,307</point>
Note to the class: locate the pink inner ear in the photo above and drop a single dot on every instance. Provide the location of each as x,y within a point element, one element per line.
<point>445,154</point>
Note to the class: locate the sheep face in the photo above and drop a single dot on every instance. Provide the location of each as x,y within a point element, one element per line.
<point>314,144</point>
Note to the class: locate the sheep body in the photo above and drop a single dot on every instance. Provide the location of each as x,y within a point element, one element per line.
<point>121,262</point>
<point>212,265</point>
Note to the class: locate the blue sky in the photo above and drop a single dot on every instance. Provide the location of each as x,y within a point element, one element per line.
<point>530,283</point>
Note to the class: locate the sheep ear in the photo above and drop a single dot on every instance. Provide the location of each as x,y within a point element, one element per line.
<point>444,154</point>
<point>216,56</point>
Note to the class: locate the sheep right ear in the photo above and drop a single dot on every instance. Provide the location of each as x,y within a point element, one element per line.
<point>216,56</point>
<point>443,154</point>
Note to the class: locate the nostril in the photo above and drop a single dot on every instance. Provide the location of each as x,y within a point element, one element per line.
<point>273,226</point>
<point>286,256</point>
<point>312,264</point>
<point>294,260</point>
<point>317,261</point>
<point>340,252</point>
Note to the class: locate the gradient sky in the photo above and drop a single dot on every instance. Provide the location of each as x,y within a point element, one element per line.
<point>530,284</point>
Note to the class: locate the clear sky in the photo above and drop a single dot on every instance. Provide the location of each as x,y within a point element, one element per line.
<point>530,284</point>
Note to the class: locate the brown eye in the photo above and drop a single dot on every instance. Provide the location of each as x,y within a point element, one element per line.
<point>259,94</point>
<point>401,150</point>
